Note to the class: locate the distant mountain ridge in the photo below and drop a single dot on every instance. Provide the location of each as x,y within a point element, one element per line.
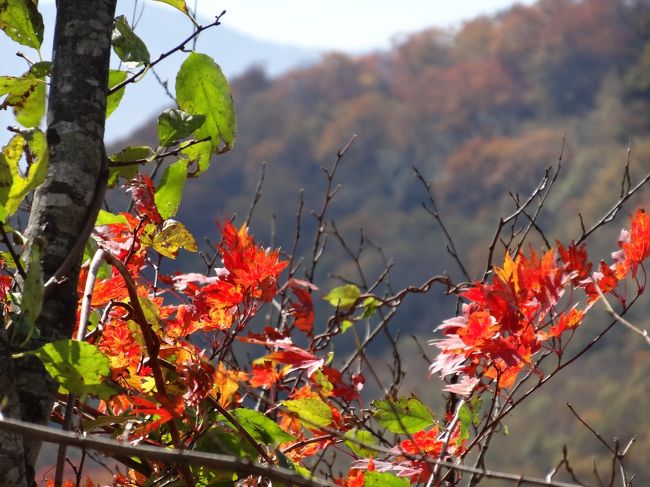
<point>163,27</point>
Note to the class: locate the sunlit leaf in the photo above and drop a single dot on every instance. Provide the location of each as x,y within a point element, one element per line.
<point>26,95</point>
<point>343,296</point>
<point>312,412</point>
<point>465,419</point>
<point>169,239</point>
<point>21,20</point>
<point>107,218</point>
<point>80,368</point>
<point>127,45</point>
<point>201,88</point>
<point>384,479</point>
<point>174,125</point>
<point>370,305</point>
<point>345,324</point>
<point>402,415</point>
<point>127,155</point>
<point>356,436</point>
<point>32,145</point>
<point>8,261</point>
<point>179,4</point>
<point>115,77</point>
<point>170,190</point>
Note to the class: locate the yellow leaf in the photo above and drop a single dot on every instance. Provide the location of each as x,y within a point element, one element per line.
<point>169,239</point>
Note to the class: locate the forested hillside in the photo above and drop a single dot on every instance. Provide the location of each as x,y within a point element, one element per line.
<point>481,111</point>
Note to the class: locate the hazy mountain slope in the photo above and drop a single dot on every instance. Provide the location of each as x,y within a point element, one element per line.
<point>482,111</point>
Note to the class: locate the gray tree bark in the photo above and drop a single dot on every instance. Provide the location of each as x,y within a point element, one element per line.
<point>61,208</point>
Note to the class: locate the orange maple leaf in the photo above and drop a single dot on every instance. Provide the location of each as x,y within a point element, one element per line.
<point>635,245</point>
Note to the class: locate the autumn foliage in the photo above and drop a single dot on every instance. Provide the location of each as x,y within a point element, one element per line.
<point>240,359</point>
<point>174,374</point>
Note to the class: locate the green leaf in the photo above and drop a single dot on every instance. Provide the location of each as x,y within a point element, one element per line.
<point>218,440</point>
<point>107,218</point>
<point>79,367</point>
<point>9,262</point>
<point>475,405</point>
<point>465,420</point>
<point>170,191</point>
<point>383,479</point>
<point>261,428</point>
<point>402,415</point>
<point>176,124</point>
<point>206,477</point>
<point>16,85</point>
<point>26,95</point>
<point>312,412</point>
<point>169,239</point>
<point>354,436</point>
<point>201,88</point>
<point>127,45</point>
<point>343,296</point>
<point>199,153</point>
<point>41,69</point>
<point>29,301</point>
<point>285,462</point>
<point>128,154</point>
<point>345,324</point>
<point>13,185</point>
<point>21,20</point>
<point>30,113</point>
<point>115,77</point>
<point>132,153</point>
<point>370,305</point>
<point>179,4</point>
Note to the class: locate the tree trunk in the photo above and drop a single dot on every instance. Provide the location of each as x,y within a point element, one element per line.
<point>60,210</point>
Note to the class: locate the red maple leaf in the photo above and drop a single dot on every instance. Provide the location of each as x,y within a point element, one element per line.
<point>423,442</point>
<point>303,309</point>
<point>142,191</point>
<point>264,375</point>
<point>253,269</point>
<point>635,245</point>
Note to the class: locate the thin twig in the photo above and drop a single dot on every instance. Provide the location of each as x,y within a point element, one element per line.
<point>616,316</point>
<point>613,211</point>
<point>135,76</point>
<point>330,192</point>
<point>433,211</point>
<point>595,433</point>
<point>257,196</point>
<point>162,155</point>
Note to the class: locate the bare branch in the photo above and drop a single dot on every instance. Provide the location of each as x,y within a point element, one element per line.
<point>172,456</point>
<point>433,211</point>
<point>617,317</point>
